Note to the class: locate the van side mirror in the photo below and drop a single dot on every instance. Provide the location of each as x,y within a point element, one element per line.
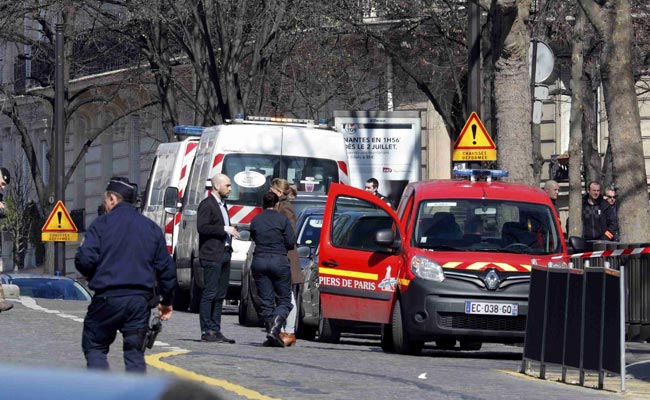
<point>170,200</point>
<point>386,238</point>
<point>304,251</point>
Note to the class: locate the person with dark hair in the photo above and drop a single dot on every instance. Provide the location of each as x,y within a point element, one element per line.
<point>610,197</point>
<point>282,188</point>
<point>372,186</point>
<point>124,257</point>
<point>215,251</point>
<point>273,237</point>
<point>598,222</point>
<point>4,181</point>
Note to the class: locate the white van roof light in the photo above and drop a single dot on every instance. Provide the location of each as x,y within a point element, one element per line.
<point>188,130</point>
<point>257,118</point>
<point>240,118</point>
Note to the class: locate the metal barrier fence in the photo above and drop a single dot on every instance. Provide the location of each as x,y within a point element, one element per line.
<point>636,259</point>
<point>580,317</point>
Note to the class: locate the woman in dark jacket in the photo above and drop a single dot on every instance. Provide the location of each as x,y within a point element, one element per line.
<point>273,237</point>
<point>282,188</point>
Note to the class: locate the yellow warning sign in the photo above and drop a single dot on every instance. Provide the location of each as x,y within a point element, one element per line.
<point>59,227</point>
<point>474,142</point>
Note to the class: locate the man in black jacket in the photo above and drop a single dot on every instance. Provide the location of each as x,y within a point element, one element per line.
<point>123,255</point>
<point>372,186</point>
<point>215,249</point>
<point>598,222</point>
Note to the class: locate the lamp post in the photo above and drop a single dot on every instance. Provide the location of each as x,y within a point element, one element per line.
<point>59,163</point>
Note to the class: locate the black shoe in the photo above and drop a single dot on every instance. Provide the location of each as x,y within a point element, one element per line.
<point>220,338</point>
<point>209,336</point>
<point>273,337</point>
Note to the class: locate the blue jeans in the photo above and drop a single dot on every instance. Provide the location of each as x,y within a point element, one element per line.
<point>272,275</point>
<point>216,276</point>
<point>108,314</point>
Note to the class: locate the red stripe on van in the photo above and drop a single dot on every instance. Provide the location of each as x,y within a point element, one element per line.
<point>249,217</point>
<point>190,147</point>
<point>217,160</point>
<point>343,166</point>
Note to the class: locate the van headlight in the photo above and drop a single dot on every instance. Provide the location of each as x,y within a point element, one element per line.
<point>425,268</point>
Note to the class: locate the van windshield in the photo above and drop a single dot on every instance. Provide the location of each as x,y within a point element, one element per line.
<point>486,225</point>
<point>251,174</point>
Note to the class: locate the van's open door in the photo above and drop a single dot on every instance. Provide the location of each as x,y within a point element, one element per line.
<point>357,275</point>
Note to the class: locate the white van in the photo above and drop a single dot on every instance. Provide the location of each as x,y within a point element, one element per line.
<point>252,152</point>
<point>171,167</point>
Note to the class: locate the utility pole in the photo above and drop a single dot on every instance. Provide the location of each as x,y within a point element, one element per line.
<point>474,64</point>
<point>59,163</point>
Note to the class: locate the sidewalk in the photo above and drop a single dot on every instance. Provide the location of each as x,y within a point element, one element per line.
<point>637,381</point>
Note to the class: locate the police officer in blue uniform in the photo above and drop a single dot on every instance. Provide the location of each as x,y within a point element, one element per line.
<point>124,257</point>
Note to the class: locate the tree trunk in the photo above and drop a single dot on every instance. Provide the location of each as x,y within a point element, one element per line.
<point>613,21</point>
<point>512,91</point>
<point>625,127</point>
<point>590,155</point>
<point>578,92</point>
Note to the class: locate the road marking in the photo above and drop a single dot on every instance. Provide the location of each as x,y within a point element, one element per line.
<point>154,361</point>
<point>29,302</point>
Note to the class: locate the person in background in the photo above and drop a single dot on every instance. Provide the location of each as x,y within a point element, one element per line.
<point>610,197</point>
<point>284,192</point>
<point>124,257</point>
<point>215,250</point>
<point>4,181</point>
<point>598,221</point>
<point>273,237</point>
<point>552,189</point>
<point>372,186</point>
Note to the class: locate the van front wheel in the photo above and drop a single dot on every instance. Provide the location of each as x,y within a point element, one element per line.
<point>402,342</point>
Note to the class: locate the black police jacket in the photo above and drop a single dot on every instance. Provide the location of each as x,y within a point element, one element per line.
<point>124,253</point>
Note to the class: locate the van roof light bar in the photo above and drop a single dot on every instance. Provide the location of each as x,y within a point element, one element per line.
<point>280,119</point>
<point>188,130</point>
<point>476,174</point>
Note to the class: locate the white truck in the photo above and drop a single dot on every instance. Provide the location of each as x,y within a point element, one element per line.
<point>171,167</point>
<point>251,152</point>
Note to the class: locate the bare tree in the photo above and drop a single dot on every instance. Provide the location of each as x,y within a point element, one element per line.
<point>20,218</point>
<point>208,57</point>
<point>511,38</point>
<point>578,87</point>
<point>30,27</point>
<point>612,20</point>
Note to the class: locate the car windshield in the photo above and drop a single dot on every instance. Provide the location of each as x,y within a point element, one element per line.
<point>252,174</point>
<point>301,202</point>
<point>43,288</point>
<point>309,232</point>
<point>486,225</point>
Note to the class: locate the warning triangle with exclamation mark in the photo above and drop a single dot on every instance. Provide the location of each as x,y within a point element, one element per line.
<point>59,221</point>
<point>474,136</point>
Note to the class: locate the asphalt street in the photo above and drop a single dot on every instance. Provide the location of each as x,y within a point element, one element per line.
<point>46,333</point>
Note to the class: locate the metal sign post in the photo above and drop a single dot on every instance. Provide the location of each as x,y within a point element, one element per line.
<point>59,164</point>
